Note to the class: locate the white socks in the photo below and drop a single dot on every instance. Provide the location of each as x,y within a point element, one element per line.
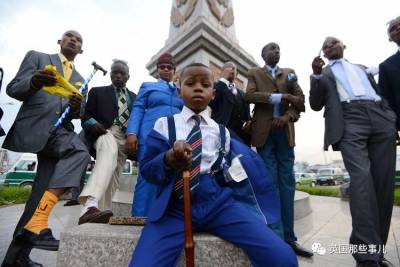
<point>90,202</point>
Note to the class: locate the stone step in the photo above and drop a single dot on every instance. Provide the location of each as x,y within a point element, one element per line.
<point>122,204</point>
<point>111,245</point>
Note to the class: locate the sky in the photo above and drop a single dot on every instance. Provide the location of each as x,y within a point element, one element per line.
<point>135,30</point>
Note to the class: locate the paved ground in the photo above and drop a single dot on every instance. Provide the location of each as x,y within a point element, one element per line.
<point>329,225</point>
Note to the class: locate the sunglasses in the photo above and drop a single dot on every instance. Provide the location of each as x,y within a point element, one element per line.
<point>165,66</point>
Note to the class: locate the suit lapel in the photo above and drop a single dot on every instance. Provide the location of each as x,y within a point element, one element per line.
<point>111,95</point>
<point>268,74</point>
<point>396,60</point>
<point>56,61</point>
<point>328,73</point>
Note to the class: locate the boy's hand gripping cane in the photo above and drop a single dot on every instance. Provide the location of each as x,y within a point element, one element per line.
<point>187,211</point>
<point>96,67</point>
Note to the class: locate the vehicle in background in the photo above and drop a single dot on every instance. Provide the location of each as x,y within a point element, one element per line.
<point>23,172</point>
<point>330,176</point>
<point>303,178</point>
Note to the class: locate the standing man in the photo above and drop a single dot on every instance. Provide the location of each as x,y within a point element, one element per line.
<point>360,124</point>
<point>104,122</point>
<point>62,157</point>
<point>389,72</point>
<point>229,106</point>
<point>278,102</point>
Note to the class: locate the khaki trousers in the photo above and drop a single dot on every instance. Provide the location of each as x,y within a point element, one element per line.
<point>110,160</point>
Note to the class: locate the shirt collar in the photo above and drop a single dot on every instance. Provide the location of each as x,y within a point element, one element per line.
<point>170,83</point>
<point>333,61</point>
<point>63,59</point>
<point>269,68</point>
<point>227,82</point>
<point>116,88</point>
<point>187,114</point>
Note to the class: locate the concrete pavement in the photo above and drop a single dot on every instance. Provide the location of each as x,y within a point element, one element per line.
<point>329,225</point>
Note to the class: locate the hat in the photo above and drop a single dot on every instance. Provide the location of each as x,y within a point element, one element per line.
<point>166,58</point>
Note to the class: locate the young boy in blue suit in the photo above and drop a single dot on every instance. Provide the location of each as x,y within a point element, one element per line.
<point>213,208</point>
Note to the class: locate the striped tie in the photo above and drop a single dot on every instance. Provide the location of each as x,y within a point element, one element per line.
<point>194,140</point>
<point>123,111</point>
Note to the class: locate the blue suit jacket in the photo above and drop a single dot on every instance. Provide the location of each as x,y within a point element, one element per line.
<point>154,100</point>
<point>258,192</point>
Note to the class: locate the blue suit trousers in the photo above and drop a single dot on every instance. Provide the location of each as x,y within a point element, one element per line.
<point>278,157</point>
<point>213,211</point>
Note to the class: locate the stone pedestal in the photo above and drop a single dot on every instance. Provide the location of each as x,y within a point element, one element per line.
<point>109,245</point>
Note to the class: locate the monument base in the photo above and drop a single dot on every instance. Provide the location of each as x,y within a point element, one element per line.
<point>111,245</point>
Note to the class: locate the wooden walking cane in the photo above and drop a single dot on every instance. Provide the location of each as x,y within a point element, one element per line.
<point>187,211</point>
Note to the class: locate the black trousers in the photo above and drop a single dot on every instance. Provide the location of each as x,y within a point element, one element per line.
<point>368,148</point>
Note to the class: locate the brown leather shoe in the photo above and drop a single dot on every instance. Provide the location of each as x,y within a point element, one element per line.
<point>94,215</point>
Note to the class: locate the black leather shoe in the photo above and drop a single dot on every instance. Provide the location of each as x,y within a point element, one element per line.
<point>299,250</point>
<point>385,263</point>
<point>22,261</point>
<point>25,261</point>
<point>367,264</point>
<point>72,202</point>
<point>44,240</point>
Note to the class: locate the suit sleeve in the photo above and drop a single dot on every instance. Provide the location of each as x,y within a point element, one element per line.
<point>253,94</point>
<point>317,92</point>
<point>152,165</point>
<point>384,85</point>
<point>294,110</point>
<point>90,109</point>
<point>20,87</point>
<point>138,111</point>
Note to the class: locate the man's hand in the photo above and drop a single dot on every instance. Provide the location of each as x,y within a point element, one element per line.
<point>317,65</point>
<point>97,129</point>
<point>280,122</point>
<point>180,156</point>
<point>75,102</point>
<point>43,78</point>
<point>131,144</point>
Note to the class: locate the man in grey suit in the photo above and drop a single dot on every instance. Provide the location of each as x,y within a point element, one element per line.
<point>359,123</point>
<point>62,157</point>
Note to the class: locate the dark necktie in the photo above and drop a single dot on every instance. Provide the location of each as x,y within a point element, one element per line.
<point>123,111</point>
<point>194,140</point>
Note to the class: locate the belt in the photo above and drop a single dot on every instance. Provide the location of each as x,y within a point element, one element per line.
<point>361,101</point>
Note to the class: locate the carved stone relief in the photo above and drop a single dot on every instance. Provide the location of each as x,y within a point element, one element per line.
<point>226,16</point>
<point>177,18</point>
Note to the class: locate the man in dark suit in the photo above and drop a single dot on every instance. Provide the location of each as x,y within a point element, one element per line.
<point>278,102</point>
<point>229,106</point>
<point>62,157</point>
<point>389,72</point>
<point>360,124</point>
<point>104,122</point>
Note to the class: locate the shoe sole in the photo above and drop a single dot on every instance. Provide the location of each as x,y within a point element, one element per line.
<point>49,248</point>
<point>103,217</point>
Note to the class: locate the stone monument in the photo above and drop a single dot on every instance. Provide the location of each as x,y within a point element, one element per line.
<point>204,31</point>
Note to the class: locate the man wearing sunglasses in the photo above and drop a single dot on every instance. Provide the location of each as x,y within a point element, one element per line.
<point>154,100</point>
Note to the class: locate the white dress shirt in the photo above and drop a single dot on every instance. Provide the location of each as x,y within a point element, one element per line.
<point>209,133</point>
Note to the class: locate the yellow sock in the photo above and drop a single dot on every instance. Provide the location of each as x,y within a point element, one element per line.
<point>40,219</point>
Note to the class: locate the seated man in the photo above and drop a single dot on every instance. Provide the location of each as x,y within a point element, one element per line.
<point>104,122</point>
<point>213,208</point>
